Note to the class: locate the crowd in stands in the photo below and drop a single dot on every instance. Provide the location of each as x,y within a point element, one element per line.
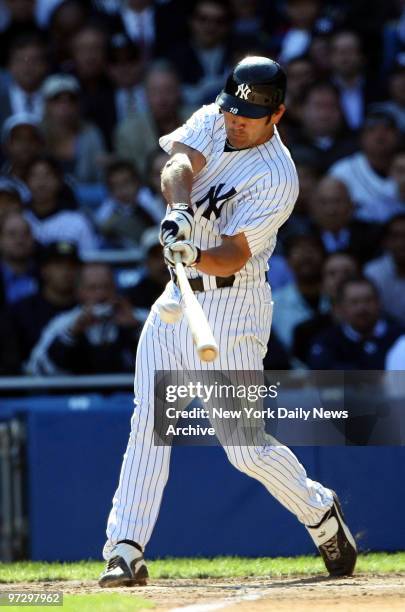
<point>87,87</point>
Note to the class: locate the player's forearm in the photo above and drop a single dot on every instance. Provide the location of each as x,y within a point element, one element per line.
<point>177,179</point>
<point>224,260</point>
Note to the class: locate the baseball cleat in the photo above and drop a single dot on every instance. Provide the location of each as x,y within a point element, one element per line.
<point>126,567</point>
<point>334,541</point>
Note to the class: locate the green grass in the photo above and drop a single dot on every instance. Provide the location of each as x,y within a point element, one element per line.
<point>220,567</point>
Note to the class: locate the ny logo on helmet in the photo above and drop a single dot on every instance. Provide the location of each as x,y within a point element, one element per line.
<point>243,91</point>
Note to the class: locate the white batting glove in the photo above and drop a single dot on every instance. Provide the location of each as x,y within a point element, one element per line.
<point>177,224</point>
<point>190,253</point>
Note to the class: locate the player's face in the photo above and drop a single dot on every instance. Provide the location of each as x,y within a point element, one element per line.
<point>244,132</point>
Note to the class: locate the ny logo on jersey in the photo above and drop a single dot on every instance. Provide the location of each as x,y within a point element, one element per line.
<point>243,91</point>
<point>214,196</point>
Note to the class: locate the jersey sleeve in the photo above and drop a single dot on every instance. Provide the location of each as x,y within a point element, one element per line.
<point>261,212</point>
<point>196,132</point>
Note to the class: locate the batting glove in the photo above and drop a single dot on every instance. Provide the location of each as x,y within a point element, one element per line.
<point>176,225</point>
<point>190,253</point>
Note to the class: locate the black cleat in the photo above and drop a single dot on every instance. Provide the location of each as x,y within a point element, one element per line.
<point>126,567</point>
<point>334,541</point>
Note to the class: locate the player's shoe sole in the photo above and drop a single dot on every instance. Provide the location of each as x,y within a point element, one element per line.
<point>125,572</point>
<point>335,542</point>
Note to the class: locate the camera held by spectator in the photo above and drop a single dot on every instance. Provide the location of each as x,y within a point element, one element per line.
<point>98,336</point>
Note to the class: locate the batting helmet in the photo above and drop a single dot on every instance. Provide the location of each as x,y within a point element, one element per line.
<point>255,88</point>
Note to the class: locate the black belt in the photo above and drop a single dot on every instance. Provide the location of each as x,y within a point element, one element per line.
<point>197,284</point>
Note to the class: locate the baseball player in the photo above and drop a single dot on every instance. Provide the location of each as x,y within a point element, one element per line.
<point>230,183</point>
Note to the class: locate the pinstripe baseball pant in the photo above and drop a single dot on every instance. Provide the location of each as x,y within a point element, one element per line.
<point>240,319</point>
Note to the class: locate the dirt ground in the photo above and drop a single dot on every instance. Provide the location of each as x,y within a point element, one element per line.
<point>382,593</point>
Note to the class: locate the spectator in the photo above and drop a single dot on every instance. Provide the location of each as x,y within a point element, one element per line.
<point>89,52</point>
<point>9,354</point>
<point>18,275</point>
<point>301,17</point>
<point>22,22</point>
<point>66,18</point>
<point>154,26</point>
<point>59,266</point>
<point>331,211</point>
<point>97,337</point>
<point>123,218</point>
<point>322,129</point>
<point>109,8</point>
<point>397,176</point>
<point>27,66</point>
<point>338,267</point>
<point>203,60</point>
<point>249,21</point>
<point>280,274</point>
<point>277,357</point>
<point>308,176</point>
<point>151,193</point>
<point>348,74</point>
<point>164,114</point>
<point>388,271</point>
<point>22,142</point>
<point>396,89</point>
<point>154,278</point>
<point>394,38</point>
<point>367,17</point>
<point>126,71</point>
<point>395,358</point>
<point>319,51</point>
<point>365,173</point>
<point>77,145</point>
<point>300,75</point>
<point>49,220</point>
<point>43,11</point>
<point>362,338</point>
<point>10,198</point>
<point>300,299</point>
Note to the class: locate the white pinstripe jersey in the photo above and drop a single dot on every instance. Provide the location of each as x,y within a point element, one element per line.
<point>249,190</point>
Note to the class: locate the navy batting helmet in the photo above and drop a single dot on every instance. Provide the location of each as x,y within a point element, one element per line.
<point>255,88</point>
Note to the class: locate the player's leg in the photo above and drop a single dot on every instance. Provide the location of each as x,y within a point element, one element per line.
<point>240,321</point>
<point>145,466</point>
<point>242,333</point>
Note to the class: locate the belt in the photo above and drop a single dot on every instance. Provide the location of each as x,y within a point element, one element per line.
<point>197,284</point>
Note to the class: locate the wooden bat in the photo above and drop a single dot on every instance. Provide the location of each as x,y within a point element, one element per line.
<point>203,337</point>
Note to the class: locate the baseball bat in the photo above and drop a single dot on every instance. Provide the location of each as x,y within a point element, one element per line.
<point>203,337</point>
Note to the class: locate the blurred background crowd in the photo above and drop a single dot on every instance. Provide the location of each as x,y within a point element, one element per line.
<point>86,89</point>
